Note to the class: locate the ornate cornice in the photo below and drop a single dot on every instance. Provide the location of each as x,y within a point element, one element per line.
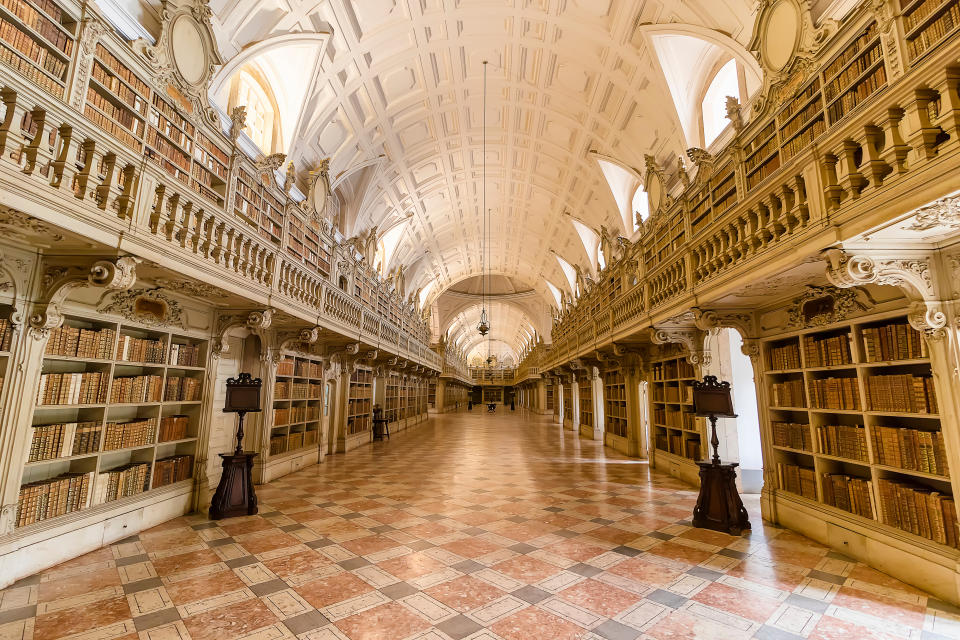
<point>60,280</point>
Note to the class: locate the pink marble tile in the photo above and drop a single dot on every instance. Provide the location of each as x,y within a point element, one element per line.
<point>535,623</point>
<point>464,594</point>
<point>600,597</point>
<point>752,606</point>
<point>386,622</point>
<point>233,621</point>
<point>327,591</point>
<point>526,569</point>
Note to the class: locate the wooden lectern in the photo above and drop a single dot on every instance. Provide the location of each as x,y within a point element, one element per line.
<point>235,495</point>
<point>718,506</point>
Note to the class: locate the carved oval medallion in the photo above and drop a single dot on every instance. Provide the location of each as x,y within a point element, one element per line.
<point>780,34</point>
<point>189,50</point>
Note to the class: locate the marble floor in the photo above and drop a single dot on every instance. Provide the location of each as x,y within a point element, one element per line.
<point>469,526</point>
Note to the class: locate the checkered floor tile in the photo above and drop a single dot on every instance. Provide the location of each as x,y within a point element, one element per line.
<point>487,527</point>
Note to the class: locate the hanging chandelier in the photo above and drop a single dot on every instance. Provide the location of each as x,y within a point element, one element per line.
<point>483,327</point>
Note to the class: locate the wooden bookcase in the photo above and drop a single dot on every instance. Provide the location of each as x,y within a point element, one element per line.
<point>305,242</point>
<point>567,402</point>
<point>586,401</point>
<point>854,424</point>
<point>676,430</point>
<point>37,40</point>
<point>297,405</point>
<point>117,416</point>
<point>391,400</point>
<point>927,23</point>
<point>493,394</point>
<point>360,401</point>
<point>550,398</point>
<point>615,403</point>
<point>854,74</point>
<point>762,155</point>
<point>801,120</point>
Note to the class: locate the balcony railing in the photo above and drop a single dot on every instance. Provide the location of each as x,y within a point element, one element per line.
<point>65,162</point>
<point>771,189</point>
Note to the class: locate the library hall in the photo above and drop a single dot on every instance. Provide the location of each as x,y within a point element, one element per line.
<point>479,319</point>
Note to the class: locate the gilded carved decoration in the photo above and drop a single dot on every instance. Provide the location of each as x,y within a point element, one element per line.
<point>257,322</point>
<point>149,307</point>
<point>59,281</point>
<point>804,312</point>
<point>912,275</point>
<point>944,212</point>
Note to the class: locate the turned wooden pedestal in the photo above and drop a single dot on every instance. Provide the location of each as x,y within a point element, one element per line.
<point>719,506</point>
<point>235,495</point>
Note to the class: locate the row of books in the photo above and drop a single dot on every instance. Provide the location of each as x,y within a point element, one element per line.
<point>827,351</point>
<point>278,444</point>
<point>50,8</point>
<point>294,415</point>
<point>81,343</point>
<point>172,169</point>
<point>672,370</point>
<point>295,440</point>
<point>47,28</point>
<point>209,154</point>
<point>680,445</point>
<point>785,356</point>
<point>145,388</point>
<point>788,393</point>
<point>761,154</point>
<point>852,50</point>
<point>760,174</point>
<point>72,388</point>
<point>792,117</point>
<point>802,140</point>
<point>168,150</point>
<point>182,389</point>
<point>361,376</point>
<point>835,393</point>
<point>112,127</point>
<point>185,355</point>
<point>358,423</point>
<point>173,428</point>
<point>893,342</point>
<point>920,13</point>
<point>122,92</point>
<point>28,46</point>
<point>165,109</point>
<point>854,96</point>
<point>919,510</point>
<point>794,435</point>
<point>9,57</point>
<point>171,132</point>
<point>844,441</point>
<point>849,493</point>
<point>54,497</point>
<point>797,479</point>
<point>172,469</point>
<point>901,393</point>
<point>134,433</point>
<point>124,117</point>
<point>126,480</point>
<point>935,32</point>
<point>852,72</point>
<point>119,69</point>
<point>910,449</point>
<point>64,439</point>
<point>130,349</point>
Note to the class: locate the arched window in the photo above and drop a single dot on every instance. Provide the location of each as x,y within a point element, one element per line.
<point>713,107</point>
<point>247,90</point>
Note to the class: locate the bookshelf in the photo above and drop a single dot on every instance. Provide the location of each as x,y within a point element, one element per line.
<point>675,428</point>
<point>169,139</point>
<point>37,40</point>
<point>615,403</point>
<point>117,100</point>
<point>855,426</point>
<point>297,405</point>
<point>432,394</point>
<point>493,394</point>
<point>586,402</point>
<point>854,74</point>
<point>117,415</point>
<point>550,398</point>
<point>305,243</point>
<point>360,401</point>
<point>210,169</point>
<point>568,402</point>
<point>927,23</point>
<point>801,119</point>
<point>762,155</point>
<point>391,399</point>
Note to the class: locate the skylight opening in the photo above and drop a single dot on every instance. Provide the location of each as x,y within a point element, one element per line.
<point>713,108</point>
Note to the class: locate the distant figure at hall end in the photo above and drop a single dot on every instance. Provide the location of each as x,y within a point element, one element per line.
<point>491,407</point>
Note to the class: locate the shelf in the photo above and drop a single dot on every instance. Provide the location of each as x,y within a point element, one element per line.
<point>80,456</point>
<point>911,472</point>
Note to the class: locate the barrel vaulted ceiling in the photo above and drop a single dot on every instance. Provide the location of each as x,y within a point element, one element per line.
<point>403,79</point>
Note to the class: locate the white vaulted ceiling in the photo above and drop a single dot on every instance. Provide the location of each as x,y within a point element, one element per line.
<point>403,79</point>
